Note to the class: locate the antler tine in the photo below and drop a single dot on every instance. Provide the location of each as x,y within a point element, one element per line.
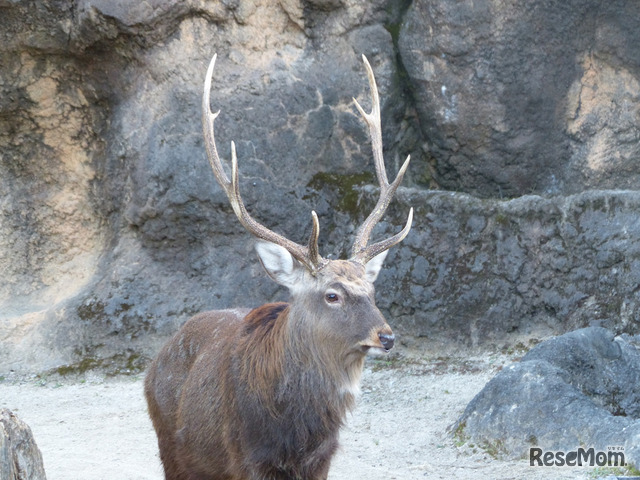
<point>308,255</point>
<point>208,118</point>
<point>379,247</point>
<point>375,124</point>
<point>360,252</point>
<point>312,246</point>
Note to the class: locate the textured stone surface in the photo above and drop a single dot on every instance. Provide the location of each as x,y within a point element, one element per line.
<point>113,232</point>
<point>20,457</point>
<point>576,390</point>
<point>483,271</point>
<point>112,225</point>
<point>520,98</point>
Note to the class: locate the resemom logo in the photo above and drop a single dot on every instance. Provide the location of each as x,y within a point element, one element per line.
<point>581,457</point>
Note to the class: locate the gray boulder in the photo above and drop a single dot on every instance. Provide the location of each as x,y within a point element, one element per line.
<point>20,457</point>
<point>577,390</point>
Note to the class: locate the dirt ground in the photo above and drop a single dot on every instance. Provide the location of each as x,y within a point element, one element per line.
<point>92,427</point>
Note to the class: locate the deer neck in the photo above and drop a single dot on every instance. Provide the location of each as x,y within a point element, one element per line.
<point>324,369</point>
<point>284,356</point>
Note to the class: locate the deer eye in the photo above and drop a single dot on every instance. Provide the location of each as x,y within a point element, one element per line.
<point>332,297</point>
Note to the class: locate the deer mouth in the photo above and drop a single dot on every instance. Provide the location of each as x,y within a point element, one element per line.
<point>374,350</point>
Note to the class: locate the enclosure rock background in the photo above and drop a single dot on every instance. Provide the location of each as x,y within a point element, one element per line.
<point>489,271</point>
<point>113,231</point>
<point>517,98</point>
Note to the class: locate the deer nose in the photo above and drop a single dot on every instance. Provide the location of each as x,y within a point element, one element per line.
<point>387,340</point>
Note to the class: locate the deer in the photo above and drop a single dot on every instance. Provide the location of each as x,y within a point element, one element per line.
<point>261,394</point>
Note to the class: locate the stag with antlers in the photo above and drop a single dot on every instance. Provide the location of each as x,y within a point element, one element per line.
<point>261,394</point>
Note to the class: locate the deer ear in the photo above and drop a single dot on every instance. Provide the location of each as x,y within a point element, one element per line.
<point>278,263</point>
<point>373,266</point>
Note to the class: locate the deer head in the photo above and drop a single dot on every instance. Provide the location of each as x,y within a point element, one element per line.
<point>326,284</point>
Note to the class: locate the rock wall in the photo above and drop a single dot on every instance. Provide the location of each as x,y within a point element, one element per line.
<point>520,98</point>
<point>113,231</point>
<point>482,271</point>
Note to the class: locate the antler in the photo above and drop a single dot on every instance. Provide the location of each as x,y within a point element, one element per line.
<point>360,252</point>
<point>306,255</point>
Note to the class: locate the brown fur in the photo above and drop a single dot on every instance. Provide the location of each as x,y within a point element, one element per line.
<point>264,362</point>
<point>262,394</point>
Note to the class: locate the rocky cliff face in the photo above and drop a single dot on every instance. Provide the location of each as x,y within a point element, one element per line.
<point>536,98</point>
<point>113,230</point>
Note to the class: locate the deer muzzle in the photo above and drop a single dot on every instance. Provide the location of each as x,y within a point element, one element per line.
<point>387,340</point>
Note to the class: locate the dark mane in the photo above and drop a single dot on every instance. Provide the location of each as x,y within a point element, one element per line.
<point>263,317</point>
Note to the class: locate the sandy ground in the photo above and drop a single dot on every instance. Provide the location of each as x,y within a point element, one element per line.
<point>94,428</point>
